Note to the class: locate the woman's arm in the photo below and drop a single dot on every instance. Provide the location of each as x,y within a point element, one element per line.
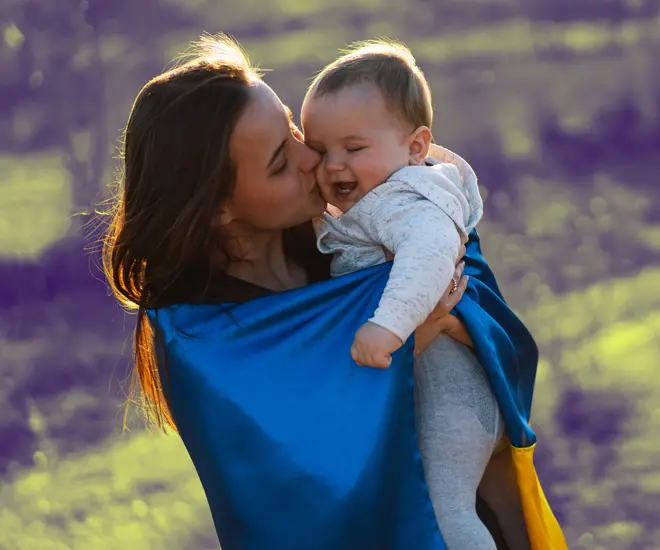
<point>440,321</point>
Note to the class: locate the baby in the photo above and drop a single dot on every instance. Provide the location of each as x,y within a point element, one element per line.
<point>369,115</point>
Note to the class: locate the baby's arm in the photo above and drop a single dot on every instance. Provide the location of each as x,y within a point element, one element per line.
<point>426,244</point>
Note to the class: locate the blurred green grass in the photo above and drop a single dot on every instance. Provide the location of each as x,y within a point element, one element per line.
<point>139,492</point>
<point>35,204</point>
<point>515,37</point>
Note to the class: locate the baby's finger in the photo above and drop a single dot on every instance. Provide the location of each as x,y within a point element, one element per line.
<point>382,362</point>
<point>355,355</point>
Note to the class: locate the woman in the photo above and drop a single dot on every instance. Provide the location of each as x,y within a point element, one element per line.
<point>211,241</point>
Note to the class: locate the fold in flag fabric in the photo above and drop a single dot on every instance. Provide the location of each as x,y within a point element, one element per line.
<point>298,448</point>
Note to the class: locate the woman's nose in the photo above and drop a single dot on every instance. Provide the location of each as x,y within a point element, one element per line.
<point>310,159</point>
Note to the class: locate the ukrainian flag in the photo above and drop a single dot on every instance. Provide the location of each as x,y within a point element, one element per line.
<point>297,448</point>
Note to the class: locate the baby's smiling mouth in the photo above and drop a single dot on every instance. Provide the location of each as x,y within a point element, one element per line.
<point>345,187</point>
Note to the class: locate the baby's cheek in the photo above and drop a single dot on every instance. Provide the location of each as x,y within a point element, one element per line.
<point>375,173</point>
<point>366,185</point>
<point>323,183</point>
<point>319,173</point>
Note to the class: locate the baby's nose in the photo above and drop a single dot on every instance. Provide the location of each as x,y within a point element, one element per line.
<point>334,164</point>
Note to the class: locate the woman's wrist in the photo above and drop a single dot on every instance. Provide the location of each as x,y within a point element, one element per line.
<point>456,330</point>
<point>448,324</point>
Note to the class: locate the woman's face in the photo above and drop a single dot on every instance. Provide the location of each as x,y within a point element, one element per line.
<point>275,182</point>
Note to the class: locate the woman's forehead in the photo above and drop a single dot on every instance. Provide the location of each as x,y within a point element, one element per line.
<point>264,122</point>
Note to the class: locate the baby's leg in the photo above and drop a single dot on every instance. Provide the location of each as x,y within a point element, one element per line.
<point>499,489</point>
<point>459,425</point>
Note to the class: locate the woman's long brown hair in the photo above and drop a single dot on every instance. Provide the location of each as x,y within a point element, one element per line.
<point>176,171</point>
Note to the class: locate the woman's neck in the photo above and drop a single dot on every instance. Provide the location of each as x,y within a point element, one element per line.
<point>260,260</point>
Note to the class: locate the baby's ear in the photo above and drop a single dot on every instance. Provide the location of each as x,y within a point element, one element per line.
<point>418,145</point>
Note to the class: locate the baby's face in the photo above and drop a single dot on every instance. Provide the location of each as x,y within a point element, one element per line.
<point>361,142</point>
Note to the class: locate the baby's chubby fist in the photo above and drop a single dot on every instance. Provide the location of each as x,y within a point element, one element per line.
<point>374,345</point>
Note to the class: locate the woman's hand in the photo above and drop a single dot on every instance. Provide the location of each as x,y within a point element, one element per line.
<point>453,327</point>
<point>440,321</point>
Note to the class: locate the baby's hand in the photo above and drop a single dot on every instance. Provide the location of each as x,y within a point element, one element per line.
<point>373,346</point>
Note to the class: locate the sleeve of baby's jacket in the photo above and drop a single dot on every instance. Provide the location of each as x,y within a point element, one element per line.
<point>426,244</point>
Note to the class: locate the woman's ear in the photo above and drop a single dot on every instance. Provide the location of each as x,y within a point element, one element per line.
<point>418,145</point>
<point>224,216</point>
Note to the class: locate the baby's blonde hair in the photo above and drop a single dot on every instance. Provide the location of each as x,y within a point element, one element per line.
<point>391,67</point>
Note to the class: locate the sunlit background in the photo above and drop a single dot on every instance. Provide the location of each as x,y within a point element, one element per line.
<point>556,103</point>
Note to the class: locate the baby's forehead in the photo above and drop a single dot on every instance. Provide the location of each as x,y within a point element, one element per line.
<point>353,104</point>
<point>355,95</point>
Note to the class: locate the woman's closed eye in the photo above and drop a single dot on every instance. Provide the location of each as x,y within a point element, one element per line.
<point>281,168</point>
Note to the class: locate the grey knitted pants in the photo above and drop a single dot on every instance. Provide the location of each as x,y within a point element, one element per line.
<point>460,426</point>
